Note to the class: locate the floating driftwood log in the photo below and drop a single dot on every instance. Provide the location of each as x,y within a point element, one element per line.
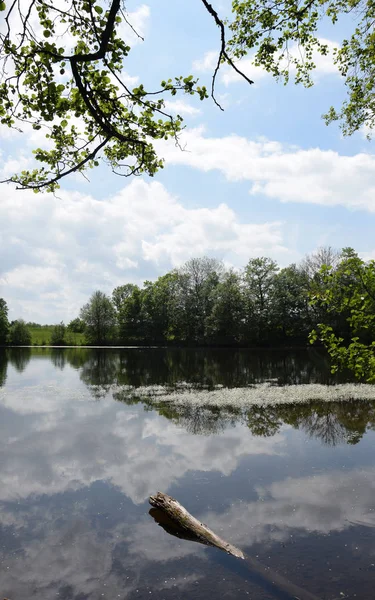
<point>189,524</point>
<point>176,520</point>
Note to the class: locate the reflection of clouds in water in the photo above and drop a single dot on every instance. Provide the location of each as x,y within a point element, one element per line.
<point>319,504</point>
<point>62,554</point>
<point>160,545</point>
<point>65,553</point>
<point>70,443</point>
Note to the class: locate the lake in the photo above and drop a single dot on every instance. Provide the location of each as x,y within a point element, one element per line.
<point>87,435</point>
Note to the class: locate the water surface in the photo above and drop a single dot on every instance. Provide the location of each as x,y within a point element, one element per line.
<point>293,486</point>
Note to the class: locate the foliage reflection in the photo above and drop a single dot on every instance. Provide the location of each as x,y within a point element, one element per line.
<point>115,370</point>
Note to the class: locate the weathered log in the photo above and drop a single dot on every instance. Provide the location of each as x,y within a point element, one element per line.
<point>190,524</point>
<point>176,520</point>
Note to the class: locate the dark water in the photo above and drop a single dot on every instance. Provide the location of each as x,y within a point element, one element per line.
<point>293,486</point>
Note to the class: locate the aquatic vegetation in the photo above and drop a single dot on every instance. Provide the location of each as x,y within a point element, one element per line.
<point>261,394</point>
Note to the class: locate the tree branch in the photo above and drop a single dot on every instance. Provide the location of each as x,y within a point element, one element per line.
<point>77,167</point>
<point>223,52</point>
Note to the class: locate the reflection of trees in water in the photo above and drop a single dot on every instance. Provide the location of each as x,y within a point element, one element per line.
<point>100,371</point>
<point>19,358</point>
<point>58,358</point>
<point>202,366</point>
<point>332,423</point>
<point>3,366</point>
<point>263,421</point>
<point>321,421</point>
<point>200,420</point>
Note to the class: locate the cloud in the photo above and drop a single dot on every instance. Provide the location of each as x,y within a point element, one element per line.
<point>136,451</point>
<point>320,504</point>
<point>280,171</point>
<point>57,251</point>
<point>137,25</point>
<point>207,63</point>
<point>370,255</point>
<point>181,107</point>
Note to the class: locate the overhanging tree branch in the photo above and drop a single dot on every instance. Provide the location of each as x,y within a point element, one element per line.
<point>223,54</point>
<point>127,121</point>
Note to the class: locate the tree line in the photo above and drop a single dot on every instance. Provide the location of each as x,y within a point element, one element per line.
<point>203,303</point>
<point>329,299</point>
<point>200,303</point>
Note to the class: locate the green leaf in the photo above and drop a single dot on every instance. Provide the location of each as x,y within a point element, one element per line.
<point>98,10</point>
<point>2,6</point>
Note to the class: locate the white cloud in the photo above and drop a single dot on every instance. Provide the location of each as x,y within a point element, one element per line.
<point>207,63</point>
<point>367,255</point>
<point>276,170</point>
<point>57,251</point>
<point>181,107</point>
<point>137,25</point>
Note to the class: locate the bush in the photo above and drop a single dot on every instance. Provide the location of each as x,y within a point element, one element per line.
<point>19,334</point>
<point>58,335</point>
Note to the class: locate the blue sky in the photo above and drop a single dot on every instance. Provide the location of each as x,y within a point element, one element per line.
<point>264,177</point>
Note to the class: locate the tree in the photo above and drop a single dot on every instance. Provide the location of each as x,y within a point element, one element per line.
<point>129,317</point>
<point>4,324</point>
<point>160,308</point>
<point>58,335</point>
<point>72,89</point>
<point>121,293</point>
<point>198,278</point>
<point>19,334</point>
<point>290,307</point>
<point>78,98</point>
<point>324,256</point>
<point>348,293</point>
<point>259,279</point>
<point>99,318</point>
<point>226,321</point>
<point>284,36</point>
<point>76,325</point>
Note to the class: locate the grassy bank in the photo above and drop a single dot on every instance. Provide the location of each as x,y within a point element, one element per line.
<point>41,336</point>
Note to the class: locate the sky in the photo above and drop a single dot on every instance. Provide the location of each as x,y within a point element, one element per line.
<point>264,177</point>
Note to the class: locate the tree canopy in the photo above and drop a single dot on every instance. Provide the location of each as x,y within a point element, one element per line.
<point>19,334</point>
<point>62,72</point>
<point>98,315</point>
<point>4,325</point>
<point>347,297</point>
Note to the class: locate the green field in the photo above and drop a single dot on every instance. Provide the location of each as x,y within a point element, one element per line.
<point>41,336</point>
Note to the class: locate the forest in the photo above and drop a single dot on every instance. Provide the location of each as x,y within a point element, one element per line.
<point>329,299</point>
